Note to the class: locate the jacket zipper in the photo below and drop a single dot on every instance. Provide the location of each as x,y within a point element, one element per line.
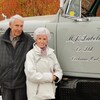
<point>37,89</point>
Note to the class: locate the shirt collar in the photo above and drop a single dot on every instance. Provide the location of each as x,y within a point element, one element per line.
<point>14,38</point>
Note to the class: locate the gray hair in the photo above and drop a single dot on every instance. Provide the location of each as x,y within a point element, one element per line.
<point>42,31</point>
<point>16,17</point>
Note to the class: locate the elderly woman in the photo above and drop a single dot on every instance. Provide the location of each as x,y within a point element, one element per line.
<point>42,68</point>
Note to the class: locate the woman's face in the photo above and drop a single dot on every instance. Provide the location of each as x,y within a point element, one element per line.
<point>42,41</point>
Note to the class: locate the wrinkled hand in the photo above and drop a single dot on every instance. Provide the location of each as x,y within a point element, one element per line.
<point>54,77</point>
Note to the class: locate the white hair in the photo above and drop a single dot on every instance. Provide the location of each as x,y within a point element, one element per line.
<point>16,17</point>
<point>42,31</point>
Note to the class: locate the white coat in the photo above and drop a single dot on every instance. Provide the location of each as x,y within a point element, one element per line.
<point>39,73</point>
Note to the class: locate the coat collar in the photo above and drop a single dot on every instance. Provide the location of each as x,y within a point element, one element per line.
<point>38,50</point>
<point>6,36</point>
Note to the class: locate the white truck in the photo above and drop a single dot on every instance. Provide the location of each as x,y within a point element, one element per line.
<point>75,31</point>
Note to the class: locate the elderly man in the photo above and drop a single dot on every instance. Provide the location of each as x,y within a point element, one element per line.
<point>14,44</point>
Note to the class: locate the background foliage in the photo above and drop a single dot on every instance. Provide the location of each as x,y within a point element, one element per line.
<point>28,7</point>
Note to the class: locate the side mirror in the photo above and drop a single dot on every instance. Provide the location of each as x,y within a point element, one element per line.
<point>4,16</point>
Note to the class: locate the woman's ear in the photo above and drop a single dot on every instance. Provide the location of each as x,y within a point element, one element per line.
<point>10,25</point>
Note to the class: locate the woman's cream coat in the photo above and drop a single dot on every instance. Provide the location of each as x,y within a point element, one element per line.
<point>39,71</point>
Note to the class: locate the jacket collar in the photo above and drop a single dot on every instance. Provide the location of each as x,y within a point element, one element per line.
<point>6,36</point>
<point>38,50</point>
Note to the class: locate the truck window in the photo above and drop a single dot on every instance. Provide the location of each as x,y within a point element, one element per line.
<point>86,6</point>
<point>74,8</point>
<point>91,8</point>
<point>98,11</point>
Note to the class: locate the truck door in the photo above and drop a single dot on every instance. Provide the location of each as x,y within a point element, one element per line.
<point>78,39</point>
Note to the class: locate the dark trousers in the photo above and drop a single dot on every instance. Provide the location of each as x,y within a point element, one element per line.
<point>14,94</point>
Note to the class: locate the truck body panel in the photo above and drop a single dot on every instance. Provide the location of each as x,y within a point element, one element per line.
<point>78,47</point>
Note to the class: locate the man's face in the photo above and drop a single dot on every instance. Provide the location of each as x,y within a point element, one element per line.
<point>42,41</point>
<point>16,27</point>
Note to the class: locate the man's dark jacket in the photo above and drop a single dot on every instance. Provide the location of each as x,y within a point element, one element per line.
<point>12,60</point>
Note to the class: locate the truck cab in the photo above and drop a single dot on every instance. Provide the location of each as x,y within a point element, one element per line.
<point>77,39</point>
<point>75,31</point>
